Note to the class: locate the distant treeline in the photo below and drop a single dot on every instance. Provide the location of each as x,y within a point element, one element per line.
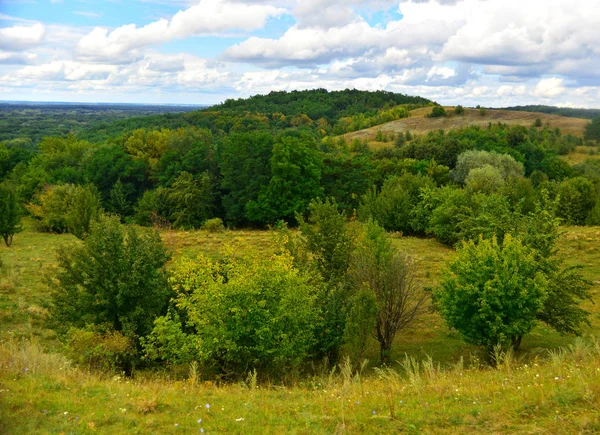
<point>29,122</point>
<point>562,111</point>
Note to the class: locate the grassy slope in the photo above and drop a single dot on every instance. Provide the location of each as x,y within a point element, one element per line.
<point>419,124</point>
<point>485,400</point>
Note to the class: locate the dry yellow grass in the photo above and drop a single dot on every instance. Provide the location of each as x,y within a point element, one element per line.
<point>419,124</point>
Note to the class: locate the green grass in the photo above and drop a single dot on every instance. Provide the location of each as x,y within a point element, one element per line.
<point>503,400</point>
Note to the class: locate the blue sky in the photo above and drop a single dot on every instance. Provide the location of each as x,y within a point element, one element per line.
<point>489,52</point>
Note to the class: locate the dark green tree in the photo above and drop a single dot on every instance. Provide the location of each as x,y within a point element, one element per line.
<point>115,280</point>
<point>592,130</point>
<point>10,214</point>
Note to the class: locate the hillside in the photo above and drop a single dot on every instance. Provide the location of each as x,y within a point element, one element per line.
<point>418,122</point>
<point>563,111</point>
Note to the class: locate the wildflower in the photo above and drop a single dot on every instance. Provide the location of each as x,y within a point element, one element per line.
<point>66,412</point>
<point>26,369</point>
<point>374,412</point>
<point>199,420</point>
<point>239,419</point>
<point>201,430</point>
<point>207,406</point>
<point>176,424</point>
<point>45,411</point>
<point>357,403</point>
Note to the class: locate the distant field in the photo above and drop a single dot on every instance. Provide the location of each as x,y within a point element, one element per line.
<point>419,124</point>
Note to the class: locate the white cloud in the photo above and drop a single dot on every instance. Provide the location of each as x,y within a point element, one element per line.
<point>21,37</point>
<point>549,88</point>
<point>205,18</point>
<point>11,58</point>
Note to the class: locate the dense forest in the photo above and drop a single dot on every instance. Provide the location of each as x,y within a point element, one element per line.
<point>496,193</point>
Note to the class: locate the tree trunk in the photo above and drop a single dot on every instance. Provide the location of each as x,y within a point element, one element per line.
<point>516,342</point>
<point>385,351</point>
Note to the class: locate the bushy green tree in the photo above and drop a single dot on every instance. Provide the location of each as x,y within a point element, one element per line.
<point>360,323</point>
<point>296,168</point>
<point>486,179</point>
<point>66,208</point>
<point>114,280</point>
<point>437,112</point>
<point>191,200</point>
<point>246,313</point>
<point>576,198</point>
<point>10,214</point>
<point>492,293</point>
<point>504,163</point>
<point>592,130</point>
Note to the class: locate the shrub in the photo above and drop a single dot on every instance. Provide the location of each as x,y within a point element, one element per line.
<point>99,350</point>
<point>214,225</point>
<point>437,112</point>
<point>469,160</point>
<point>486,179</point>
<point>243,314</point>
<point>66,208</point>
<point>492,294</point>
<point>114,280</point>
<point>459,110</point>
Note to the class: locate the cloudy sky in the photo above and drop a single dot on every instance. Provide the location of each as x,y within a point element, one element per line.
<point>488,52</point>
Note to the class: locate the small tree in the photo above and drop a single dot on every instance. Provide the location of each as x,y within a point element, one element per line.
<point>10,214</point>
<point>437,112</point>
<point>459,110</point>
<point>492,294</point>
<point>390,275</point>
<point>115,280</point>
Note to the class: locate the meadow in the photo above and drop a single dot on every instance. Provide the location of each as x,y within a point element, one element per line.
<point>437,383</point>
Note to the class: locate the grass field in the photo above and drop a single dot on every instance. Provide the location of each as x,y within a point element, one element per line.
<point>41,393</point>
<point>419,124</point>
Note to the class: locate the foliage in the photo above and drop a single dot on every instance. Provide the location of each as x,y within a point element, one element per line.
<point>390,275</point>
<point>506,165</point>
<point>459,110</point>
<point>486,179</point>
<point>99,350</point>
<point>191,200</point>
<point>437,112</point>
<point>10,214</point>
<point>66,208</point>
<point>295,181</point>
<point>576,197</point>
<point>592,130</point>
<point>114,280</point>
<point>327,237</point>
<point>492,293</point>
<point>246,313</point>
<point>360,323</point>
<point>214,225</point>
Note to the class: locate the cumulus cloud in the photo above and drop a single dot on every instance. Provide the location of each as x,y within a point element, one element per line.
<point>20,37</point>
<point>207,17</point>
<point>11,58</point>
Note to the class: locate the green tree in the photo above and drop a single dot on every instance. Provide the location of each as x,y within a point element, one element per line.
<point>191,199</point>
<point>360,323</point>
<point>592,130</point>
<point>492,293</point>
<point>114,280</point>
<point>295,180</point>
<point>10,214</point>
<point>459,110</point>
<point>247,313</point>
<point>377,266</point>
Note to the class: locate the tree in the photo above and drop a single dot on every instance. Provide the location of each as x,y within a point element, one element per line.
<point>377,266</point>
<point>437,112</point>
<point>254,312</point>
<point>472,159</point>
<point>492,293</point>
<point>592,130</point>
<point>459,110</point>
<point>191,199</point>
<point>10,214</point>
<point>295,181</point>
<point>115,280</point>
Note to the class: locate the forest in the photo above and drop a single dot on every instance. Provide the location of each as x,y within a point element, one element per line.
<point>332,283</point>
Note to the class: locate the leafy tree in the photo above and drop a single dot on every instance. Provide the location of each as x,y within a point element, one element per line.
<point>459,110</point>
<point>295,181</point>
<point>191,199</point>
<point>360,323</point>
<point>486,179</point>
<point>66,208</point>
<point>242,314</point>
<point>390,275</point>
<point>469,160</point>
<point>576,198</point>
<point>246,171</point>
<point>492,293</point>
<point>10,214</point>
<point>592,130</point>
<point>117,202</point>
<point>114,280</point>
<point>437,112</point>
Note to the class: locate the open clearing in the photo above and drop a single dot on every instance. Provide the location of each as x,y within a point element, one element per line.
<point>419,124</point>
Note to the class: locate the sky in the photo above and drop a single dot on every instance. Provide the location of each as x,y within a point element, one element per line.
<point>490,52</point>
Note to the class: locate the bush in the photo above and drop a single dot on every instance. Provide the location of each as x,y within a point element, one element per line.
<point>99,350</point>
<point>486,179</point>
<point>214,225</point>
<point>492,294</point>
<point>243,314</point>
<point>469,160</point>
<point>66,208</point>
<point>114,280</point>
<point>437,112</point>
<point>459,110</point>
